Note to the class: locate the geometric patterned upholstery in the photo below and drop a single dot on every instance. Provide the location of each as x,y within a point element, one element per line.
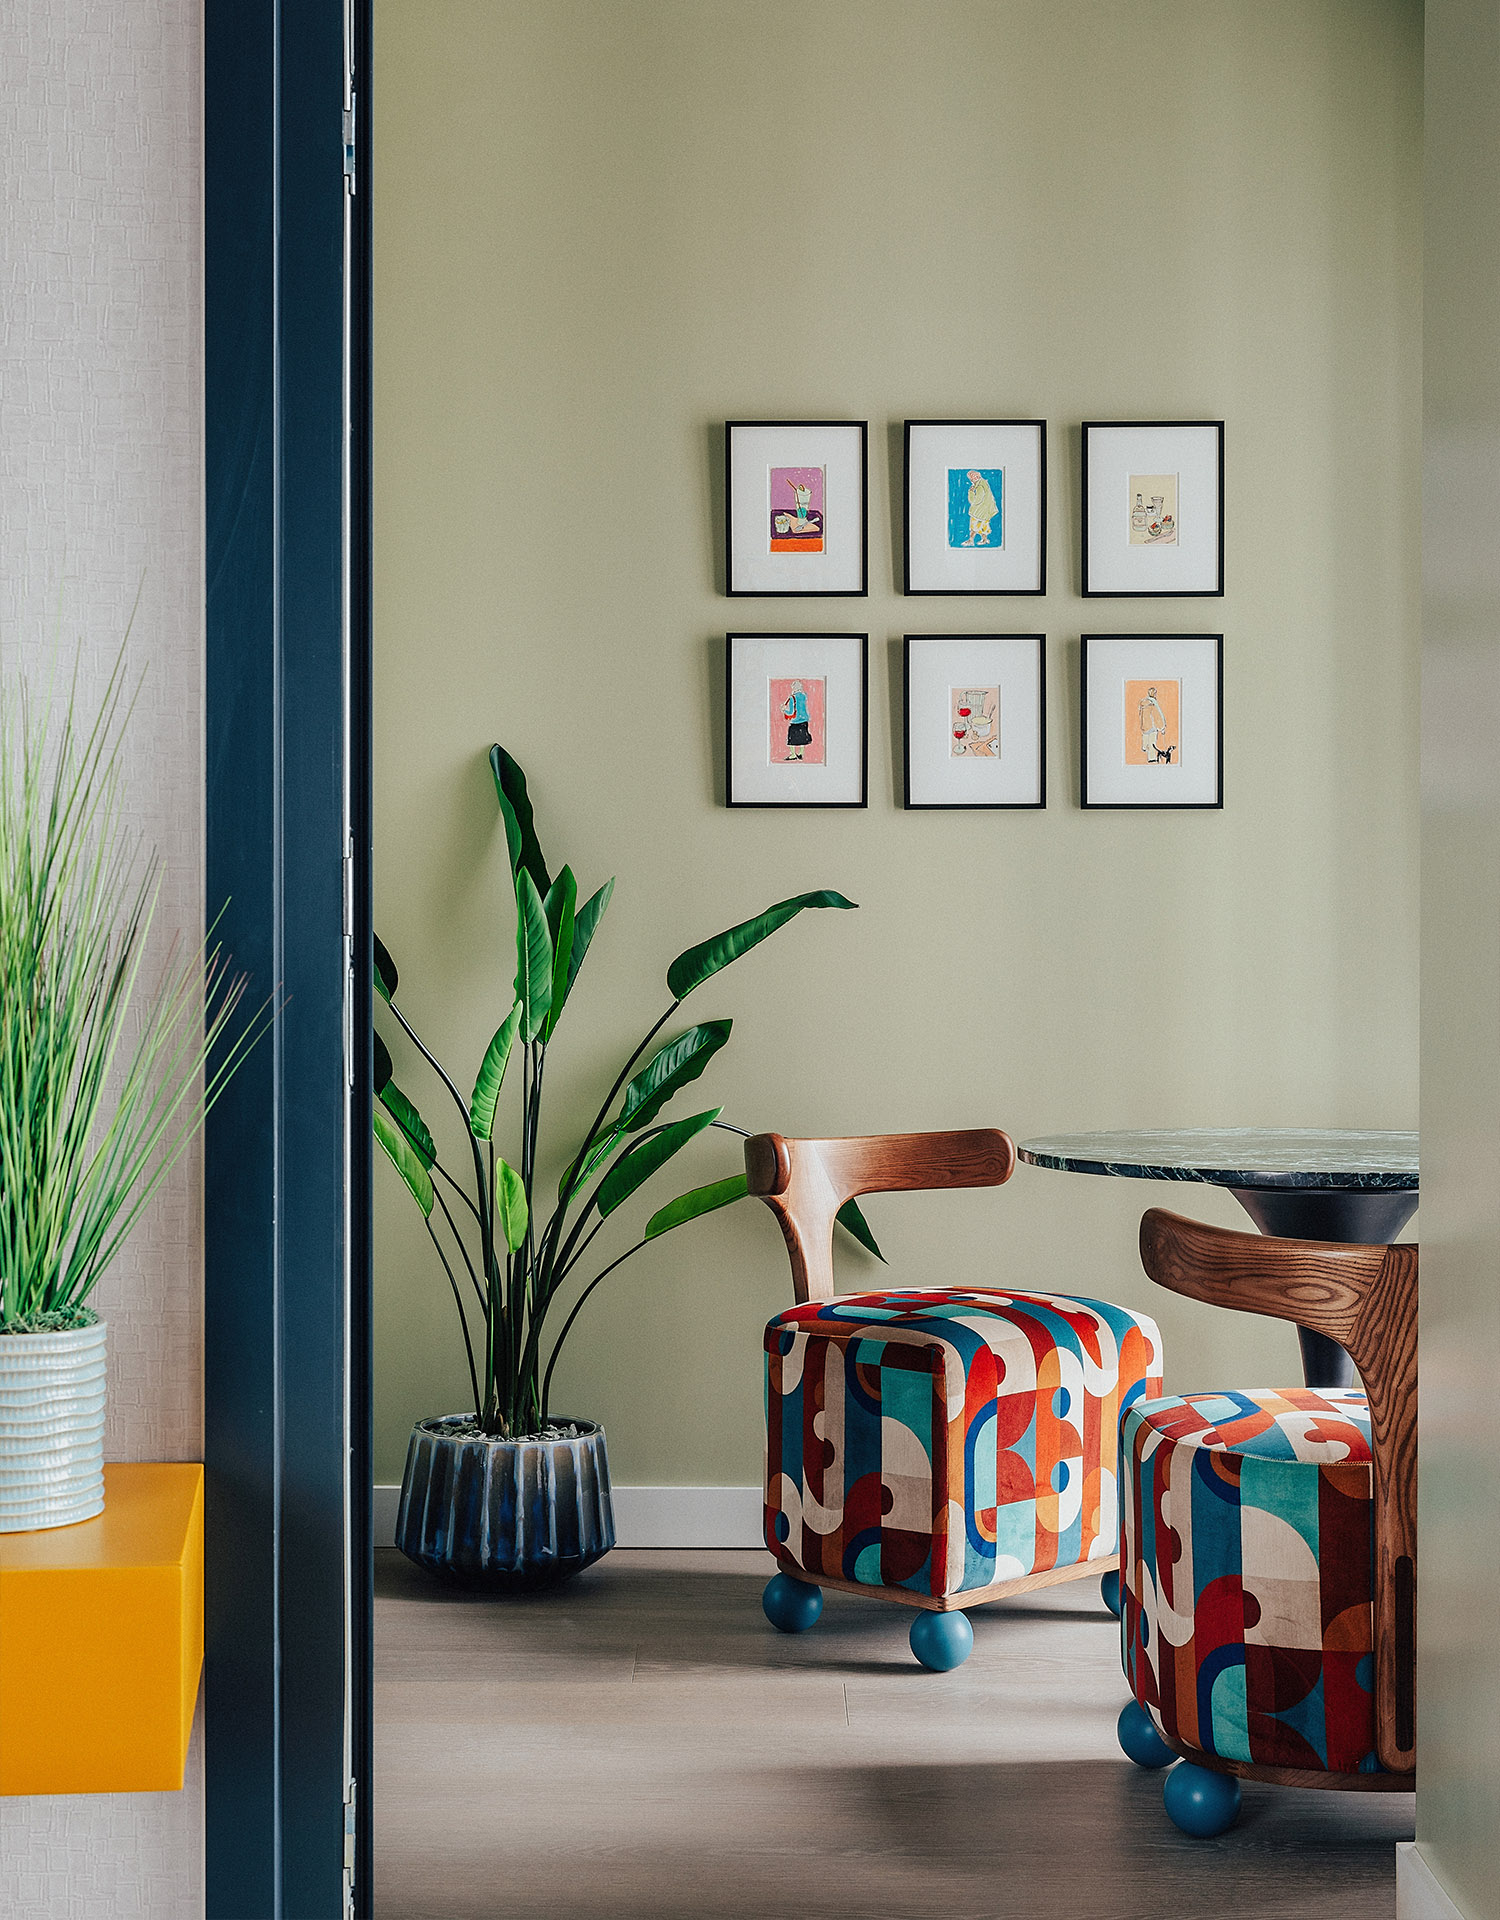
<point>1247,1574</point>
<point>943,1441</point>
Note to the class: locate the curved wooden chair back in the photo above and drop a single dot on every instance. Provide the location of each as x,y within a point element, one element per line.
<point>1365,1298</point>
<point>805,1182</point>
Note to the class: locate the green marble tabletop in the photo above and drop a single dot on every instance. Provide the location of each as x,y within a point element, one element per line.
<point>1315,1159</point>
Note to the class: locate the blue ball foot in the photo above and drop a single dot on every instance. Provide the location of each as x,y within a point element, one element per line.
<point>1109,1592</point>
<point>941,1641</point>
<point>1199,1802</point>
<point>1139,1740</point>
<point>791,1606</point>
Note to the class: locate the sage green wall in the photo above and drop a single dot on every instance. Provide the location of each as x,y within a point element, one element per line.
<point>604,226</point>
<point>1458,1733</point>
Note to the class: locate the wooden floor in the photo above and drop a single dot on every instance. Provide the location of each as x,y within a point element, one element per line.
<point>641,1744</point>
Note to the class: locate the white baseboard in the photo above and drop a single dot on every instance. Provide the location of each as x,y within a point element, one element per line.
<point>1418,1894</point>
<point>650,1516</point>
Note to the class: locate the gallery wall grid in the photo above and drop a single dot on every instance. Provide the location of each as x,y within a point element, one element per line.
<point>974,508</point>
<point>973,722</point>
<point>974,524</point>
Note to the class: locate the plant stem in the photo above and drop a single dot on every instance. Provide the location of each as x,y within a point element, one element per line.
<point>462,1316</point>
<point>486,1208</point>
<point>463,1251</point>
<point>568,1323</point>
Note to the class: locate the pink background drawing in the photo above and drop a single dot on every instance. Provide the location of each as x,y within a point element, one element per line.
<point>815,752</point>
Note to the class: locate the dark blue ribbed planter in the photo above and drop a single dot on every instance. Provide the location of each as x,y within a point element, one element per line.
<point>510,1515</point>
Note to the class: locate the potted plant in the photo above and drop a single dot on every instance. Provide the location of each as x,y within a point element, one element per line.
<point>510,1495</point>
<point>103,1080</point>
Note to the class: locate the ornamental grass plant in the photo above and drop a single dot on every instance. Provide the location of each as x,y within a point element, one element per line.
<point>515,1257</point>
<point>108,1063</point>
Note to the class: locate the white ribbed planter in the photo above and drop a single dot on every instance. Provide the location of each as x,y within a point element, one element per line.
<point>51,1428</point>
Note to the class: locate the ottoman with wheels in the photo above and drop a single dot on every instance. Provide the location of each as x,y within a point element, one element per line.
<point>935,1446</point>
<point>1268,1567</point>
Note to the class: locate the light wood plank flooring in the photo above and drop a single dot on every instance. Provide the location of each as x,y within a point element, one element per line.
<point>642,1746</point>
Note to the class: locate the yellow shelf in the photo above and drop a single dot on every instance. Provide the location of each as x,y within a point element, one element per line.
<point>101,1640</point>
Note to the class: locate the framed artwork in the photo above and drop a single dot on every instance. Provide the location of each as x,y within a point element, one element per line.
<point>976,720</point>
<point>795,494</point>
<point>795,726</point>
<point>976,506</point>
<point>1153,720</point>
<point>1153,508</point>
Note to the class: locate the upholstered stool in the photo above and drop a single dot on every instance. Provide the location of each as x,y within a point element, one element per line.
<point>1267,1565</point>
<point>937,1447</point>
<point>943,1447</point>
<point>1247,1575</point>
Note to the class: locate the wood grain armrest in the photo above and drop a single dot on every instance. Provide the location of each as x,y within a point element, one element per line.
<point>805,1182</point>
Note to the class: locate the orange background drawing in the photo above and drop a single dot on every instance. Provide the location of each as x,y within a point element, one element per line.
<point>1169,699</point>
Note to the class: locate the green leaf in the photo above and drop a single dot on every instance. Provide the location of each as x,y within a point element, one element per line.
<point>673,1067</point>
<point>383,1067</point>
<point>634,1168</point>
<point>386,978</point>
<point>853,1221</point>
<point>588,917</point>
<point>700,963</point>
<point>491,1076</point>
<point>515,809</point>
<point>404,1159</point>
<point>510,1196</point>
<point>688,1206</point>
<point>410,1122</point>
<point>533,957</point>
<point>560,906</point>
<point>602,1148</point>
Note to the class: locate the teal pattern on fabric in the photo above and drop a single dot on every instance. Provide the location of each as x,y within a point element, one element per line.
<point>941,1441</point>
<point>1247,1630</point>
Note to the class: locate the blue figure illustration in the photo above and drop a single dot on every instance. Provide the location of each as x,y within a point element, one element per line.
<point>974,496</point>
<point>794,709</point>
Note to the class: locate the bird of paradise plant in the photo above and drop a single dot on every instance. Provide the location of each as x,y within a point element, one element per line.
<point>509,1260</point>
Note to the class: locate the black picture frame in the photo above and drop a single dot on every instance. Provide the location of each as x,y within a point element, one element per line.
<point>864,724</point>
<point>731,591</point>
<point>1151,593</point>
<point>1151,806</point>
<point>973,806</point>
<point>985,593</point>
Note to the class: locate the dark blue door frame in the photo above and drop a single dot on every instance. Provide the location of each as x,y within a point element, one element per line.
<point>286,1185</point>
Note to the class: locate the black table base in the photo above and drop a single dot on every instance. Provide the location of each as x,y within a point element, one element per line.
<point>1350,1215</point>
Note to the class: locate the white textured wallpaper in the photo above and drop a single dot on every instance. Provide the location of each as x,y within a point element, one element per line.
<point>101,499</point>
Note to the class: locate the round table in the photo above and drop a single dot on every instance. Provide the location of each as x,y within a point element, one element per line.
<point>1312,1184</point>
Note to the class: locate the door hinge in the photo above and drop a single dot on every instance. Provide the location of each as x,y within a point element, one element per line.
<point>349,146</point>
<point>348,878</point>
<point>350,1793</point>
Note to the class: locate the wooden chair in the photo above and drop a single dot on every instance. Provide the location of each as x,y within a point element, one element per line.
<point>805,1182</point>
<point>860,1520</point>
<point>1365,1298</point>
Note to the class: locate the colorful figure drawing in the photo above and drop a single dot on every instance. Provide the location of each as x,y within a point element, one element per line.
<point>796,496</point>
<point>796,730</point>
<point>799,733</point>
<point>974,723</point>
<point>1151,715</point>
<point>974,511</point>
